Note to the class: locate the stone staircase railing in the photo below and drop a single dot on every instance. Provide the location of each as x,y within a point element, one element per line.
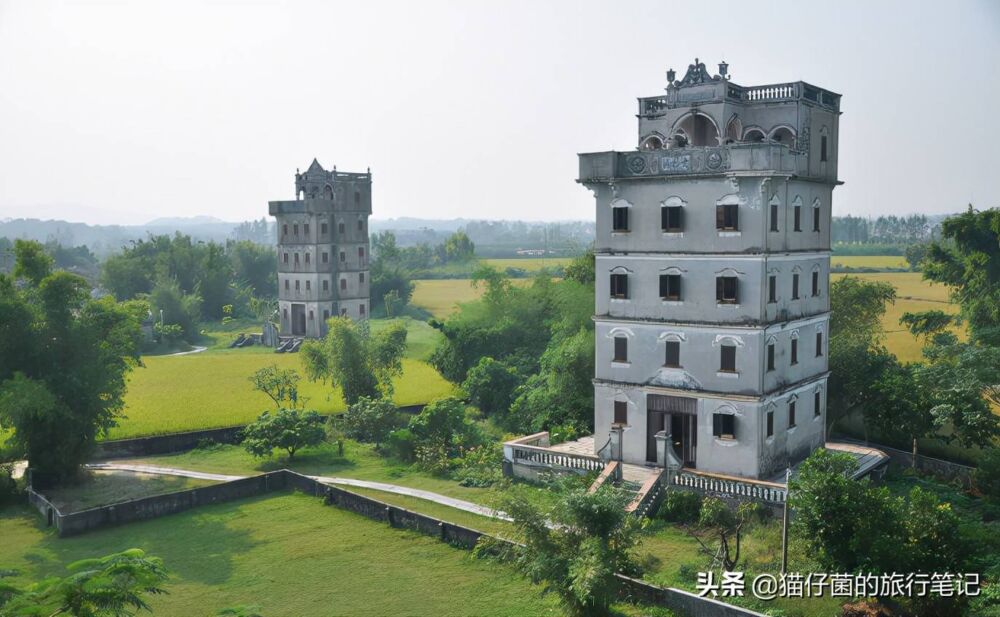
<point>769,492</point>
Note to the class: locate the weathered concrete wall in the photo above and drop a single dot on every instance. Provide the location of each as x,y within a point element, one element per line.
<point>681,601</point>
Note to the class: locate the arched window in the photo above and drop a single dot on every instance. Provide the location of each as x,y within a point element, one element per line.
<point>782,135</point>
<point>734,129</point>
<point>698,129</point>
<point>652,142</point>
<point>753,135</point>
<point>327,192</point>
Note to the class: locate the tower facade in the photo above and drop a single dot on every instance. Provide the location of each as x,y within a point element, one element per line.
<point>323,250</point>
<point>712,261</point>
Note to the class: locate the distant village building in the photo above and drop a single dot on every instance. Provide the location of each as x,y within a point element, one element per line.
<point>323,250</point>
<point>712,261</point>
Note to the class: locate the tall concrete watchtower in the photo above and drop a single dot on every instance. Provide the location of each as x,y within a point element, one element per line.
<point>712,305</point>
<point>323,250</point>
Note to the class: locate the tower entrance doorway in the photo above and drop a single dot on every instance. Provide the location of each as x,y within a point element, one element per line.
<point>678,416</point>
<point>299,319</point>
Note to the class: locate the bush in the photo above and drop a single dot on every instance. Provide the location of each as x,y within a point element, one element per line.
<point>286,429</point>
<point>987,474</point>
<point>370,420</point>
<point>9,489</point>
<point>402,445</point>
<point>490,386</point>
<point>680,507</point>
<point>481,467</point>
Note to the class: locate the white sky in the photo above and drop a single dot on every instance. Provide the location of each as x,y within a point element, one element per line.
<point>121,112</point>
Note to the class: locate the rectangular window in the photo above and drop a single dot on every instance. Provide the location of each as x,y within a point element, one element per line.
<point>726,290</point>
<point>727,361</point>
<point>815,218</point>
<point>791,415</point>
<point>361,252</point>
<point>326,257</point>
<point>619,286</point>
<point>770,357</point>
<point>670,218</point>
<point>815,284</point>
<point>795,351</point>
<point>724,425</point>
<point>307,257</point>
<point>286,284</point>
<point>343,312</point>
<point>324,228</point>
<point>670,286</point>
<point>619,219</point>
<point>673,354</point>
<point>295,229</point>
<point>774,217</point>
<point>296,285</point>
<point>822,148</point>
<point>343,284</point>
<point>284,257</point>
<point>795,287</point>
<point>361,310</point>
<point>305,229</point>
<point>285,311</point>
<point>772,289</point>
<point>770,423</point>
<point>326,285</point>
<point>817,410</point>
<point>296,258</point>
<point>621,412</point>
<point>326,315</point>
<point>360,225</point>
<point>284,229</point>
<point>340,228</point>
<point>308,285</point>
<point>361,277</point>
<point>343,256</point>
<point>797,216</point>
<point>819,344</point>
<point>621,349</point>
<point>727,218</point>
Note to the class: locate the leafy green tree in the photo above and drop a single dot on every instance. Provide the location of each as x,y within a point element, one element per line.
<point>369,420</point>
<point>582,268</point>
<point>31,262</point>
<point>490,386</point>
<point>915,254</point>
<point>847,524</point>
<point>575,548</point>
<point>897,404</point>
<point>67,387</point>
<point>214,278</point>
<point>280,385</point>
<point>286,429</point>
<point>562,391</point>
<point>255,265</point>
<point>967,259</point>
<point>720,530</point>
<point>113,586</point>
<point>457,247</point>
<point>442,425</point>
<point>987,474</point>
<point>350,356</point>
<point>857,356</point>
<point>178,307</point>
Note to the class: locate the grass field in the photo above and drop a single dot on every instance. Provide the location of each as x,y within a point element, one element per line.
<point>211,389</point>
<point>291,556</point>
<point>103,487</point>
<point>440,297</point>
<point>528,264</point>
<point>869,261</point>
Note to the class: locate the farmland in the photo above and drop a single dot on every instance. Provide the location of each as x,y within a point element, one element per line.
<point>291,556</point>
<point>441,297</point>
<point>528,264</point>
<point>869,261</point>
<point>211,389</point>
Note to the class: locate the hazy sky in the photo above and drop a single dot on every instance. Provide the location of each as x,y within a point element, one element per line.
<point>121,112</point>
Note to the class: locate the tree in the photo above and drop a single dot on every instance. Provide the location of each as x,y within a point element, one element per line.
<point>286,429</point>
<point>987,474</point>
<point>457,247</point>
<point>967,258</point>
<point>177,307</point>
<point>369,420</point>
<point>576,548</point>
<point>582,268</point>
<point>67,386</point>
<point>280,385</point>
<point>490,386</point>
<point>111,586</point>
<point>722,524</point>
<point>442,425</point>
<point>350,356</point>
<point>31,262</point>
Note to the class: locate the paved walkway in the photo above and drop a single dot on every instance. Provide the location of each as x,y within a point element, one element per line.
<point>458,504</point>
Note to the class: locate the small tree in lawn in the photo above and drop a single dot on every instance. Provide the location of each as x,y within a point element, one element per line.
<point>363,364</point>
<point>280,385</point>
<point>286,429</point>
<point>112,586</point>
<point>576,548</point>
<point>369,420</point>
<point>722,526</point>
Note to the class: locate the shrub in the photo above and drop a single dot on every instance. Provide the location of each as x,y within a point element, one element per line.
<point>481,467</point>
<point>987,475</point>
<point>286,429</point>
<point>401,445</point>
<point>8,485</point>
<point>370,420</point>
<point>490,386</point>
<point>680,507</point>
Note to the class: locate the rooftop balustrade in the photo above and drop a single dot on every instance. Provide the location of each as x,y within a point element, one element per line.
<point>748,95</point>
<point>763,157</point>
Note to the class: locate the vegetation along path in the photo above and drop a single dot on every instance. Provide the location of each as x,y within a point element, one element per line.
<point>459,504</point>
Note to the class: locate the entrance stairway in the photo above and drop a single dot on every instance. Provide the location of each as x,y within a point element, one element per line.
<point>642,484</point>
<point>290,345</point>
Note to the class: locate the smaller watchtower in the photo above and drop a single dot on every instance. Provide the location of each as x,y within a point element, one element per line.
<point>323,250</point>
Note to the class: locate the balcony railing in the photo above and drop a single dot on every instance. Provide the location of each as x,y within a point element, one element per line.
<point>749,489</point>
<point>791,91</point>
<point>534,450</point>
<point>692,160</point>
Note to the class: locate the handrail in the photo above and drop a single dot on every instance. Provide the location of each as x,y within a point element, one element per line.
<point>647,496</point>
<point>610,473</point>
<point>544,456</point>
<point>762,491</point>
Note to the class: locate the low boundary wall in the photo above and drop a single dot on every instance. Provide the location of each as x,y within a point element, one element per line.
<point>181,442</point>
<point>926,464</point>
<point>684,602</point>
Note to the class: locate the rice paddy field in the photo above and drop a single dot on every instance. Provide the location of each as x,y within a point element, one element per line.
<point>289,555</point>
<point>212,388</point>
<point>869,261</point>
<point>528,264</point>
<point>440,297</point>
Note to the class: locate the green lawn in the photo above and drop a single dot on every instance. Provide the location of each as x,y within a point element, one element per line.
<point>211,389</point>
<point>101,488</point>
<point>291,556</point>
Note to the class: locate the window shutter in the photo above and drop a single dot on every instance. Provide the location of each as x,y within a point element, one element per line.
<point>624,284</point>
<point>664,218</point>
<point>664,285</point>
<point>736,217</point>
<point>680,217</point>
<point>717,425</point>
<point>718,288</point>
<point>720,217</point>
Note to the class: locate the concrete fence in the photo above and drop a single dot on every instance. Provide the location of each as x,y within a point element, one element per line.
<point>926,464</point>
<point>161,505</point>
